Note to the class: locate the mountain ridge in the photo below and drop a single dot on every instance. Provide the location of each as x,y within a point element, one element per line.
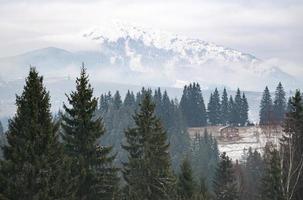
<point>129,54</point>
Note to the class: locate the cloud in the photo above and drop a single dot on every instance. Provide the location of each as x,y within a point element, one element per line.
<point>267,29</point>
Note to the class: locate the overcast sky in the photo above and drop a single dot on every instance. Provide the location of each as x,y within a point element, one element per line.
<point>267,29</point>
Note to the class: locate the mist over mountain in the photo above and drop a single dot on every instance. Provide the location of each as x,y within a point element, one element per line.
<point>129,57</point>
<point>132,55</point>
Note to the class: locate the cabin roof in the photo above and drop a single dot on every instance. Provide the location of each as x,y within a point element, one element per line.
<point>228,126</point>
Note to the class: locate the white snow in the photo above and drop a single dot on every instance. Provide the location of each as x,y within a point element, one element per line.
<point>254,137</point>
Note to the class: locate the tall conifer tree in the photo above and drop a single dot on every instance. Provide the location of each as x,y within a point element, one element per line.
<point>34,166</point>
<point>214,108</point>
<point>271,188</point>
<point>231,112</point>
<point>266,112</point>
<point>224,183</point>
<point>244,110</point>
<point>224,108</point>
<point>292,148</point>
<point>279,107</point>
<point>147,172</point>
<point>117,102</point>
<point>192,106</point>
<point>81,132</point>
<point>1,128</point>
<point>129,99</point>
<point>237,107</point>
<point>186,183</point>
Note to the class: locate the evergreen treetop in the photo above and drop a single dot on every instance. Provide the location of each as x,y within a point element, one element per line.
<point>279,105</point>
<point>34,166</point>
<point>224,108</point>
<point>224,182</point>
<point>81,132</point>
<point>266,110</point>
<point>147,171</point>
<point>186,183</point>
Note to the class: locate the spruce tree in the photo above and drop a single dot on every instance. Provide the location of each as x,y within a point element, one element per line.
<point>2,140</point>
<point>81,132</point>
<point>102,104</point>
<point>129,99</point>
<point>279,107</point>
<point>292,147</point>
<point>117,102</point>
<point>266,113</point>
<point>224,183</point>
<point>244,110</point>
<point>237,107</point>
<point>214,108</point>
<point>289,106</point>
<point>205,157</point>
<point>105,102</point>
<point>192,106</point>
<point>210,110</point>
<point>271,188</point>
<point>224,108</point>
<point>232,112</point>
<point>34,166</point>
<point>147,172</point>
<point>253,173</point>
<point>1,129</point>
<point>186,183</point>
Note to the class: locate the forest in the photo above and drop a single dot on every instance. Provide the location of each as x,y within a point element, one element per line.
<point>138,148</point>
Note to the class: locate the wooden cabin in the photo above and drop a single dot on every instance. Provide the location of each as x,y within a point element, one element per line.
<point>229,132</point>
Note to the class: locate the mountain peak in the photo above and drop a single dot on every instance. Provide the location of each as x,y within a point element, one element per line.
<point>195,51</point>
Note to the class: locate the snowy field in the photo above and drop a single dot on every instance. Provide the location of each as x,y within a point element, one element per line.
<point>254,136</point>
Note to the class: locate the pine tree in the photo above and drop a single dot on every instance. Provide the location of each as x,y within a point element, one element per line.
<point>292,148</point>
<point>214,108</point>
<point>244,110</point>
<point>1,129</point>
<point>167,110</point>
<point>192,106</point>
<point>205,157</point>
<point>271,188</point>
<point>224,183</point>
<point>2,141</point>
<point>129,99</point>
<point>186,183</point>
<point>103,105</point>
<point>117,102</point>
<point>253,173</point>
<point>34,166</point>
<point>210,110</point>
<point>147,172</point>
<point>81,131</point>
<point>289,106</point>
<point>266,114</point>
<point>237,107</point>
<point>105,102</point>
<point>224,108</point>
<point>279,107</point>
<point>231,112</point>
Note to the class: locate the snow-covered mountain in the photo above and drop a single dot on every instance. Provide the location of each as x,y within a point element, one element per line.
<point>128,54</point>
<point>178,60</point>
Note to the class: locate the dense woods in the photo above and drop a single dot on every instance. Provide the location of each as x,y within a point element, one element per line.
<point>138,148</point>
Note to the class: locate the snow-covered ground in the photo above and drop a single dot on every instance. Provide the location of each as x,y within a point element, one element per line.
<point>255,137</point>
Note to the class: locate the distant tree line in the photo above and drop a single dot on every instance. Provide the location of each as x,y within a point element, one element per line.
<point>220,111</point>
<point>117,113</point>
